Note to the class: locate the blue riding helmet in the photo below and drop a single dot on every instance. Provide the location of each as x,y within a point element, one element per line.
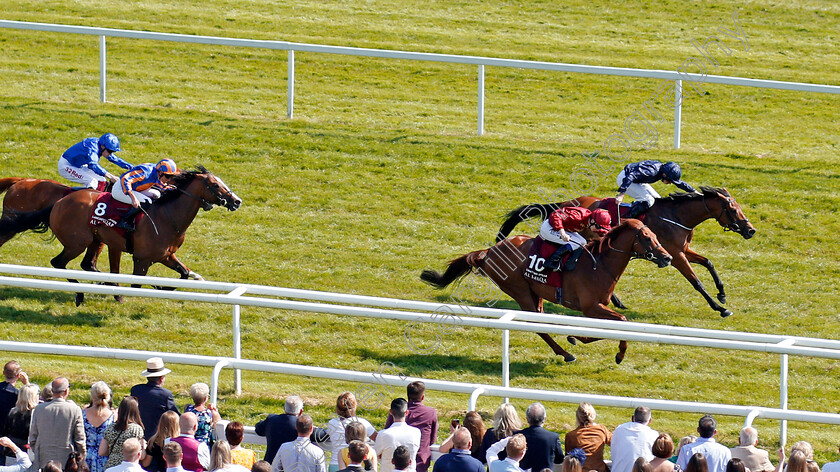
<point>671,171</point>
<point>110,142</point>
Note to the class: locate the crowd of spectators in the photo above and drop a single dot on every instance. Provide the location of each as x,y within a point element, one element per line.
<point>43,430</point>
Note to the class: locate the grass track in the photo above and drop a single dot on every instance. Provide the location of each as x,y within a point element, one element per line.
<point>380,175</point>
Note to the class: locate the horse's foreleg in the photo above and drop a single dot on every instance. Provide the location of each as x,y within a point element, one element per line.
<point>600,311</point>
<point>60,262</point>
<point>141,267</point>
<point>568,357</point>
<point>695,258</point>
<point>680,262</point>
<point>114,257</point>
<point>173,263</point>
<point>616,302</point>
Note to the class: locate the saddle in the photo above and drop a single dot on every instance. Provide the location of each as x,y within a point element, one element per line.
<point>541,250</point>
<point>108,212</point>
<point>613,208</point>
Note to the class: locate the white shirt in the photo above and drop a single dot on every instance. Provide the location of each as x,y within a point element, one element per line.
<point>717,455</point>
<point>335,428</point>
<point>398,434</point>
<point>126,466</point>
<point>831,467</point>
<point>299,455</point>
<point>630,441</point>
<point>22,463</point>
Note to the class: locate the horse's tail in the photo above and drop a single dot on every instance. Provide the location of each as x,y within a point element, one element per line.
<point>8,182</point>
<point>514,217</point>
<point>35,221</point>
<point>457,268</point>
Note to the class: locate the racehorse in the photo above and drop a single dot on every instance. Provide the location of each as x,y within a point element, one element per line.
<point>28,195</point>
<point>586,288</point>
<point>673,220</point>
<point>156,238</point>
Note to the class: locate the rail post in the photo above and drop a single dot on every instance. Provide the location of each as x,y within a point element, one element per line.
<point>677,112</point>
<point>102,69</point>
<point>480,99</point>
<point>237,338</point>
<point>290,94</point>
<point>783,390</point>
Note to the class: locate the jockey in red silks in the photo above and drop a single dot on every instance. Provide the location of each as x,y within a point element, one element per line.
<point>562,228</point>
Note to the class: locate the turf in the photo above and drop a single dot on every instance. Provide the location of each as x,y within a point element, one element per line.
<point>380,175</point>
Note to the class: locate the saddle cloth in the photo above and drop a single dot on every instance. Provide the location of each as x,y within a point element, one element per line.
<point>107,211</point>
<point>612,208</point>
<point>541,250</point>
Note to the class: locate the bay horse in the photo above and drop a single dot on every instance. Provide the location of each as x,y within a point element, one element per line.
<point>587,288</point>
<point>673,219</point>
<point>28,195</point>
<point>157,236</point>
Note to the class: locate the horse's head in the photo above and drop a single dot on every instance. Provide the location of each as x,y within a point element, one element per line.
<point>645,244</point>
<point>209,189</point>
<point>723,207</point>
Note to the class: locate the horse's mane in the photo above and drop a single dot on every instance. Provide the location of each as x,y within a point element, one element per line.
<point>181,181</point>
<point>599,246</point>
<point>704,191</point>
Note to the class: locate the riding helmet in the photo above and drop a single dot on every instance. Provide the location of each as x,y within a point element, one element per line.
<point>671,171</point>
<point>166,167</point>
<point>602,219</point>
<point>110,142</point>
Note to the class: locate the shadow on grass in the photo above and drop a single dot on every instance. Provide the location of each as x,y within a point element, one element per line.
<point>45,316</point>
<point>548,307</point>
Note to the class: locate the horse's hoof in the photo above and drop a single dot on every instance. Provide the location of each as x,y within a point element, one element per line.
<point>725,313</point>
<point>119,298</point>
<point>572,340</point>
<point>721,297</point>
<point>570,358</point>
<point>80,298</point>
<point>621,306</point>
<point>618,358</point>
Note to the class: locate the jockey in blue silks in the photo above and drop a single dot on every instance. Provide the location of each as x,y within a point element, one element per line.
<point>80,163</point>
<point>635,180</point>
<point>141,185</point>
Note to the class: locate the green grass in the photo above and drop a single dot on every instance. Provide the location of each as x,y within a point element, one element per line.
<point>381,175</point>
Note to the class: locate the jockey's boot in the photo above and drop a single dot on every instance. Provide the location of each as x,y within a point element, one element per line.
<point>637,208</point>
<point>553,262</point>
<point>127,221</point>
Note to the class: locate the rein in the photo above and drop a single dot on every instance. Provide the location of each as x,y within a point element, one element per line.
<point>633,254</point>
<point>734,224</point>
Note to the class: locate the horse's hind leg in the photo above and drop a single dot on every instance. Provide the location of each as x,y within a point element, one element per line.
<point>695,258</point>
<point>60,262</point>
<point>600,311</point>
<point>617,302</point>
<point>114,267</point>
<point>538,307</point>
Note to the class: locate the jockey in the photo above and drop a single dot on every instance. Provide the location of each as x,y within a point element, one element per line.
<point>141,185</point>
<point>80,163</point>
<point>636,178</point>
<point>573,219</point>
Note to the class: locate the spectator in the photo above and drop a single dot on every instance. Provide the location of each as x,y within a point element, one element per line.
<point>19,418</point>
<point>685,440</point>
<point>220,459</point>
<point>459,459</point>
<point>46,393</point>
<point>167,428</point>
<point>544,448</point>
<point>234,433</point>
<point>831,466</point>
<point>798,461</point>
<point>632,440</point>
<point>97,416</point>
<point>515,450</point>
<point>589,436</point>
<point>423,418</point>
<point>506,422</point>
<point>52,466</point>
<point>205,412</point>
<point>356,453</point>
<point>172,454</point>
<point>21,463</point>
<point>345,409</point>
<point>573,462</point>
<point>279,429</point>
<point>196,454</point>
<point>355,431</point>
<point>641,465</point>
<point>755,459</point>
<point>400,433</point>
<point>76,463</point>
<point>403,460</point>
<point>8,391</point>
<point>132,450</point>
<point>128,425</point>
<point>663,449</point>
<point>717,455</point>
<point>475,425</point>
<point>735,465</point>
<point>151,397</point>
<point>805,447</point>
<point>261,466</point>
<point>300,455</point>
<point>697,463</point>
<point>57,427</point>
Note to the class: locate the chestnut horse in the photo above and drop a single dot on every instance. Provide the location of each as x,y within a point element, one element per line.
<point>673,220</point>
<point>157,237</point>
<point>28,195</point>
<point>586,288</point>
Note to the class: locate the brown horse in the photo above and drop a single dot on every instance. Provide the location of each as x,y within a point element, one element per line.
<point>673,220</point>
<point>157,237</point>
<point>28,195</point>
<point>587,288</point>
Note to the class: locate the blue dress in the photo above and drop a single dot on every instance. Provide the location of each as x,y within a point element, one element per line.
<point>204,433</point>
<point>93,435</point>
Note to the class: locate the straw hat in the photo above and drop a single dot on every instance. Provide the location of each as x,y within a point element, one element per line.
<point>155,368</point>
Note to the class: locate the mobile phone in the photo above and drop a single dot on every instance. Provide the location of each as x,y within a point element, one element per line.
<point>455,423</point>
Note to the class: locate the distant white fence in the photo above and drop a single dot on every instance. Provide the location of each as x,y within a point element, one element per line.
<point>480,61</point>
<point>425,312</point>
